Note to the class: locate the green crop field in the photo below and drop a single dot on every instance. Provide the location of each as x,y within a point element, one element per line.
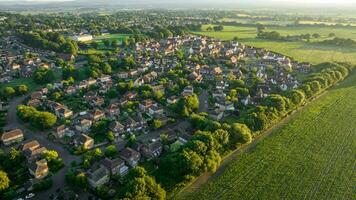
<point>310,157</point>
<point>302,51</point>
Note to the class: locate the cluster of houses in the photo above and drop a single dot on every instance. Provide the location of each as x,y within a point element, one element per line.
<point>32,150</point>
<point>14,63</point>
<point>275,72</point>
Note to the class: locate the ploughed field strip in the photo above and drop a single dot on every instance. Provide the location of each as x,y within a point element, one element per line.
<point>311,157</point>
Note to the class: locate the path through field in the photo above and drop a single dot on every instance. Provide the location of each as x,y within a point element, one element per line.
<point>313,156</point>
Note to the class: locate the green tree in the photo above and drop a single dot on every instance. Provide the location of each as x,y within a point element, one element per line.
<point>22,89</point>
<point>9,91</point>
<point>240,133</point>
<point>110,136</point>
<point>4,180</point>
<point>156,124</point>
<point>43,75</point>
<point>50,155</point>
<point>140,185</point>
<point>111,151</point>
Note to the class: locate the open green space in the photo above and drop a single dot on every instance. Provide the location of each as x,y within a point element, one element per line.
<point>111,37</point>
<point>29,81</point>
<point>310,157</point>
<point>302,51</point>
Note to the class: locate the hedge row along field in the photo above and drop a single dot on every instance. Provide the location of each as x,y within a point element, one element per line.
<point>311,157</point>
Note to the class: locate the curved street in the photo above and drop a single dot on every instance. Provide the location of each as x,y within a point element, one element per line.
<point>13,122</point>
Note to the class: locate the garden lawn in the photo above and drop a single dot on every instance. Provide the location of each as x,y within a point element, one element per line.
<point>310,157</point>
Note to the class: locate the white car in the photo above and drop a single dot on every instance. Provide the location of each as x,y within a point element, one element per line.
<point>29,196</point>
<point>20,199</point>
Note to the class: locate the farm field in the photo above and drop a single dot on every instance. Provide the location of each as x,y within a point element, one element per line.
<point>301,51</point>
<point>310,157</point>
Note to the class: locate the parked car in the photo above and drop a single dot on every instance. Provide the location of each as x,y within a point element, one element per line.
<point>29,196</point>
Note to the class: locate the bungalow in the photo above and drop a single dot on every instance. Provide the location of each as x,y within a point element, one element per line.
<point>98,175</point>
<point>12,137</point>
<point>39,169</point>
<point>131,156</point>
<point>115,166</point>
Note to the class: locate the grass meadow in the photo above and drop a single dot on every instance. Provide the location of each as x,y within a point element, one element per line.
<point>310,157</point>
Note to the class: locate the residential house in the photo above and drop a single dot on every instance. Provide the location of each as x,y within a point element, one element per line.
<point>97,101</point>
<point>98,175</point>
<point>32,145</point>
<point>12,137</point>
<point>117,128</point>
<point>97,115</point>
<point>115,166</point>
<point>146,104</point>
<point>152,149</point>
<point>33,153</point>
<point>172,100</point>
<point>216,114</point>
<point>62,131</point>
<point>188,91</point>
<point>156,110</point>
<point>64,113</point>
<point>85,141</point>
<point>39,169</point>
<point>131,156</point>
<point>113,110</point>
<point>83,125</point>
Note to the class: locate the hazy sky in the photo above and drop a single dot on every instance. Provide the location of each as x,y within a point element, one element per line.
<point>215,2</point>
<point>290,1</point>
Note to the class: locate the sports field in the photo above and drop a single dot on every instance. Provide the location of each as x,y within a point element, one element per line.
<point>310,157</point>
<point>302,51</point>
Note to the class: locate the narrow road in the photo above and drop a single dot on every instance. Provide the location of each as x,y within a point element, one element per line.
<point>203,101</point>
<point>59,178</point>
